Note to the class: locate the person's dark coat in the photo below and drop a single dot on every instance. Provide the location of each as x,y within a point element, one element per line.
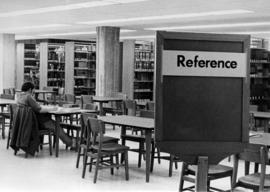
<point>25,130</point>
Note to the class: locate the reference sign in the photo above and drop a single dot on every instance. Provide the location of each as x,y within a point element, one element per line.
<point>203,63</point>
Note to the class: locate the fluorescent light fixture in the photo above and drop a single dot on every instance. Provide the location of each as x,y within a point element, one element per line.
<point>250,32</point>
<point>80,33</point>
<point>225,25</point>
<point>67,7</point>
<point>33,27</point>
<point>164,17</point>
<point>139,37</point>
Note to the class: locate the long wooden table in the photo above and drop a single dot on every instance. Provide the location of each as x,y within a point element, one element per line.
<point>103,99</point>
<point>260,138</point>
<point>63,112</point>
<point>146,124</point>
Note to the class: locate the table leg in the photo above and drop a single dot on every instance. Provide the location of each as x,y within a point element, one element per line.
<point>101,112</point>
<point>123,132</point>
<point>148,135</point>
<point>57,127</point>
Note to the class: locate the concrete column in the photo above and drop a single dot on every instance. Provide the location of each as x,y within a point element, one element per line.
<point>107,70</point>
<point>7,61</point>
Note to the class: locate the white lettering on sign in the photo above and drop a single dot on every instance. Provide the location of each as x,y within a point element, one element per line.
<point>200,63</point>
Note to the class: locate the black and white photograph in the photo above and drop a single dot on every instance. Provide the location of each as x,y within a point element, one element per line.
<point>134,95</point>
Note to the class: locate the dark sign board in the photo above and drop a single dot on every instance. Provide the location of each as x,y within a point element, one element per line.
<point>202,91</point>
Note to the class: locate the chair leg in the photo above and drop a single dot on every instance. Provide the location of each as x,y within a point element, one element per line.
<point>111,161</point>
<point>117,160</point>
<point>3,129</point>
<point>84,165</point>
<point>78,157</point>
<point>181,184</point>
<point>50,143</point>
<point>126,165</point>
<point>96,171</point>
<point>170,165</point>
<point>8,140</point>
<point>140,154</point>
<point>91,163</point>
<point>152,157</point>
<point>158,154</point>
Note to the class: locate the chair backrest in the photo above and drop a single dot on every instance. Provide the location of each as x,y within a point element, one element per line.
<point>70,98</point>
<point>255,153</point>
<point>148,114</point>
<point>95,128</point>
<point>84,124</point>
<point>90,106</point>
<point>6,91</point>
<point>61,91</point>
<point>253,107</point>
<point>150,105</point>
<point>129,107</point>
<point>85,99</point>
<point>12,91</point>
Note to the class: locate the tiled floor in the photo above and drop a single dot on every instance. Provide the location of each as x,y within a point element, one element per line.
<point>47,173</point>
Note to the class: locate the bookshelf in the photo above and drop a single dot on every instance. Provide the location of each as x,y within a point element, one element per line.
<point>85,69</point>
<point>31,63</point>
<point>260,78</point>
<point>138,70</point>
<point>56,66</point>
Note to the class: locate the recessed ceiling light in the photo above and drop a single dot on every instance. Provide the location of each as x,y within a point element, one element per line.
<point>67,7</point>
<point>225,25</point>
<point>12,29</point>
<point>163,17</point>
<point>79,33</point>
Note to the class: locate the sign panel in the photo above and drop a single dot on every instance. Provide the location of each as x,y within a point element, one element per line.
<point>201,94</point>
<point>203,63</point>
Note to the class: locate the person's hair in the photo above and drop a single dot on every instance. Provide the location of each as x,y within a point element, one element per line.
<point>27,85</point>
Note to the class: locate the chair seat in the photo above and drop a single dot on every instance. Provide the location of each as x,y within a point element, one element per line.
<point>254,180</point>
<point>112,147</point>
<point>138,138</point>
<point>214,170</point>
<point>108,139</point>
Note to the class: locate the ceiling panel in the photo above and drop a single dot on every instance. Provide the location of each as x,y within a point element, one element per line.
<point>17,24</point>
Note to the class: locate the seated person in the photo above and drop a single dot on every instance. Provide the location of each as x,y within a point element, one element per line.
<point>44,118</point>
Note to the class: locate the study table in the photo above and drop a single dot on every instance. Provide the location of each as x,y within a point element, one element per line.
<point>141,123</point>
<point>260,138</point>
<point>61,111</point>
<point>104,99</point>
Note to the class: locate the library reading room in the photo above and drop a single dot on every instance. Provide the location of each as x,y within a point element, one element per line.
<point>134,95</point>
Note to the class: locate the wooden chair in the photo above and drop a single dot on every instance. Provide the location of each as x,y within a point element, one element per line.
<point>150,105</point>
<point>101,154</point>
<point>83,136</point>
<point>129,107</point>
<point>12,108</point>
<point>188,174</point>
<point>85,99</point>
<point>257,181</point>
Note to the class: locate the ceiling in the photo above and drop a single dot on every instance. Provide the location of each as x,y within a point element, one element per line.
<point>63,18</point>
